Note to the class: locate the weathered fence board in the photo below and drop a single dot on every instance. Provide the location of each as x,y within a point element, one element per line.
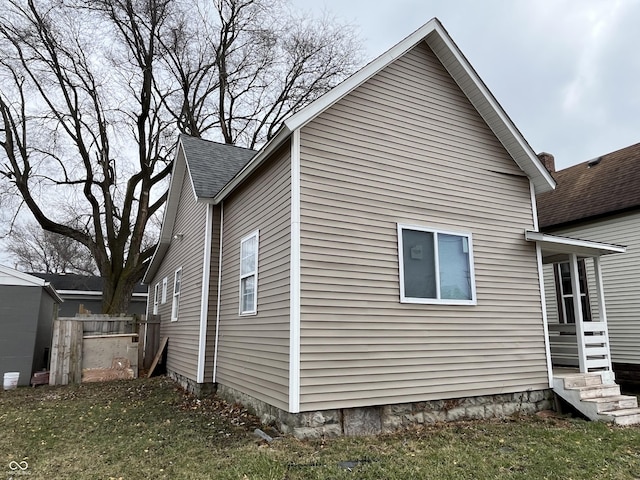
<point>66,352</point>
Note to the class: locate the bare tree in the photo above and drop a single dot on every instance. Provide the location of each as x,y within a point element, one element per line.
<point>36,250</point>
<point>93,93</point>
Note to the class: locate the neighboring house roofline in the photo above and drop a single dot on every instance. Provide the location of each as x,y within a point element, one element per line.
<point>590,219</point>
<point>588,191</point>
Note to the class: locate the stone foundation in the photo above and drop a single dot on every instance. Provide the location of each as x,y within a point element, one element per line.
<point>191,386</point>
<point>390,418</point>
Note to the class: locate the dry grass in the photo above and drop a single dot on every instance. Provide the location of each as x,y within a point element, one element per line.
<point>150,429</point>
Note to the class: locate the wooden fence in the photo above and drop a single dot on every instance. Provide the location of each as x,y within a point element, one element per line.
<point>66,352</point>
<point>68,335</point>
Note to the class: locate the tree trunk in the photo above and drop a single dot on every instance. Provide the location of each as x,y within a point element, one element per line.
<point>117,292</point>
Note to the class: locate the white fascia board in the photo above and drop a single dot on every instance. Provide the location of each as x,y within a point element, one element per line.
<point>315,108</point>
<point>170,212</point>
<point>271,146</point>
<point>53,293</point>
<point>483,100</point>
<point>7,273</point>
<point>582,247</point>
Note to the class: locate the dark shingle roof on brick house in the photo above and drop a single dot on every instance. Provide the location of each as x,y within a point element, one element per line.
<point>603,186</point>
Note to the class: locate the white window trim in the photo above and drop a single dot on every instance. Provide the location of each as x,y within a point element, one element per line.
<point>175,308</point>
<point>164,290</point>
<point>156,298</point>
<point>254,310</point>
<point>436,301</point>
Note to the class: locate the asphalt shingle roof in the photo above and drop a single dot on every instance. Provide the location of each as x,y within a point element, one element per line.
<point>85,283</point>
<point>212,165</point>
<point>603,186</point>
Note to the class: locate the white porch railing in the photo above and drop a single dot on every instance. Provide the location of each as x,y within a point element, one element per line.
<point>564,346</point>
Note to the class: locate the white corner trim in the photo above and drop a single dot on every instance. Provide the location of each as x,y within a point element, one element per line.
<point>534,205</point>
<point>543,294</point>
<point>294,297</point>
<point>204,298</point>
<point>215,348</point>
<point>545,320</point>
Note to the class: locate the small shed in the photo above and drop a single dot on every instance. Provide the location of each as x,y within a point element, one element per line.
<point>28,306</point>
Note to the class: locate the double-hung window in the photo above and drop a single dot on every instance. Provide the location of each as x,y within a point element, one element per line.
<point>435,266</point>
<point>564,292</point>
<point>156,298</point>
<point>249,274</point>
<point>164,290</point>
<point>175,306</point>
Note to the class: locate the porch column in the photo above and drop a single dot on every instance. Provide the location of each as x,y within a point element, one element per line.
<point>602,310</point>
<point>577,309</point>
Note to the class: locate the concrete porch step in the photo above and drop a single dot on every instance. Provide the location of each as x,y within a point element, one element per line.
<point>625,416</point>
<point>615,402</point>
<point>582,380</point>
<point>597,391</point>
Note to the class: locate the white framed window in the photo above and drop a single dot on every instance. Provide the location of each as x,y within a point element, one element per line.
<point>436,266</point>
<point>564,292</point>
<point>156,298</point>
<point>164,290</point>
<point>177,282</point>
<point>249,274</point>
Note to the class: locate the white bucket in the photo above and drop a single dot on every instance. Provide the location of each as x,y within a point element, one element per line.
<point>11,380</point>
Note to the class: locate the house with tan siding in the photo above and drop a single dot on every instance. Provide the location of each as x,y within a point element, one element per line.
<point>377,262</point>
<point>600,199</point>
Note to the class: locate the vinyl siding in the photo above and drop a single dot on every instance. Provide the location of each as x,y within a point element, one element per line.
<point>621,279</point>
<point>19,308</point>
<point>253,353</point>
<point>408,147</point>
<point>188,253</point>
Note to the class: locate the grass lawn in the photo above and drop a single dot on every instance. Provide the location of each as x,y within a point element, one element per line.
<point>150,429</point>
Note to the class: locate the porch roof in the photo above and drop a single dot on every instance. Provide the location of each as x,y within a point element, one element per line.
<point>557,249</point>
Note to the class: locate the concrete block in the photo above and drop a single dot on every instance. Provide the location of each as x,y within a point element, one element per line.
<point>362,421</point>
<point>435,416</point>
<point>475,413</point>
<point>413,418</point>
<point>455,414</point>
<point>536,396</point>
<point>494,410</point>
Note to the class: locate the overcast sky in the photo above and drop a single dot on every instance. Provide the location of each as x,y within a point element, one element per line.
<point>567,72</point>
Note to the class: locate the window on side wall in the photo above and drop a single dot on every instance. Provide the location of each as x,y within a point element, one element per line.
<point>156,298</point>
<point>564,292</point>
<point>177,282</point>
<point>436,266</point>
<point>249,274</point>
<point>164,290</point>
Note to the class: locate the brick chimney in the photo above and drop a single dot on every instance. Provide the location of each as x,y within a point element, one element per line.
<point>548,161</point>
